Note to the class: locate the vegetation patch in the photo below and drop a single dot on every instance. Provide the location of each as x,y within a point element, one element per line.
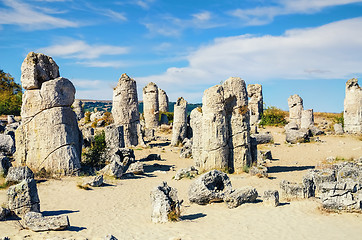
<point>94,156</point>
<point>273,116</point>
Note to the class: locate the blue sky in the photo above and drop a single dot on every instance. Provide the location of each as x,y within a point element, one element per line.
<point>305,47</point>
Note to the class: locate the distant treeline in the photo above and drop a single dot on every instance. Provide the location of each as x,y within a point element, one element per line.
<point>107,106</point>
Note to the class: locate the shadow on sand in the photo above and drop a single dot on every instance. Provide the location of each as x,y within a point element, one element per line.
<point>193,216</point>
<point>279,169</point>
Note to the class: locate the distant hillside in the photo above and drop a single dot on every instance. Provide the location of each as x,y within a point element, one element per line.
<point>106,105</point>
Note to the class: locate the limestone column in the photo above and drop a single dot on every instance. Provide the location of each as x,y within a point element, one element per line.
<point>353,107</point>
<point>295,104</point>
<point>307,119</point>
<point>125,110</point>
<point>179,129</point>
<point>150,105</point>
<point>163,101</point>
<point>255,102</point>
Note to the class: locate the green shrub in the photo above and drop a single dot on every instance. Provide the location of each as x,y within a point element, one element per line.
<point>273,116</point>
<point>339,118</point>
<point>94,155</point>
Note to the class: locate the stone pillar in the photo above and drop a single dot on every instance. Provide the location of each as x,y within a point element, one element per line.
<point>179,129</point>
<point>48,136</point>
<point>307,119</point>
<point>255,103</point>
<point>150,105</point>
<point>163,100</point>
<point>196,126</point>
<point>295,104</point>
<point>225,131</point>
<point>125,110</point>
<point>78,108</point>
<point>353,107</point>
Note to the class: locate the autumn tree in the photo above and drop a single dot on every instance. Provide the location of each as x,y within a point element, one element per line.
<point>10,95</point>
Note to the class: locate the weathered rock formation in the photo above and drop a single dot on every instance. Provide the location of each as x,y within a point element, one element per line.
<point>165,204</point>
<point>125,110</point>
<point>307,119</point>
<point>295,104</point>
<point>18,174</point>
<point>223,128</point>
<point>271,197</point>
<point>23,197</point>
<point>255,102</point>
<point>240,196</point>
<point>78,108</point>
<point>150,105</point>
<point>353,107</point>
<point>179,129</point>
<point>36,222</point>
<point>7,144</point>
<point>162,100</point>
<point>48,136</point>
<point>114,138</point>
<point>211,186</point>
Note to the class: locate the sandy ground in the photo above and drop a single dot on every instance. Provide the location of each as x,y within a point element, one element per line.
<point>123,207</point>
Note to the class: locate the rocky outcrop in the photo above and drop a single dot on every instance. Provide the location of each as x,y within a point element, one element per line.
<point>119,163</point>
<point>262,138</point>
<point>125,110</point>
<point>353,107</point>
<point>186,150</point>
<point>23,197</point>
<point>338,129</point>
<point>271,197</point>
<point>179,129</point>
<point>36,69</point>
<point>307,119</point>
<point>5,164</point>
<point>96,181</point>
<point>78,108</point>
<point>165,204</point>
<point>240,196</point>
<point>225,129</point>
<point>295,104</point>
<point>36,222</point>
<point>150,105</point>
<point>297,136</point>
<point>48,136</point>
<point>114,138</point>
<point>163,101</point>
<point>136,168</point>
<point>7,144</point>
<point>209,187</point>
<point>18,174</point>
<point>255,102</point>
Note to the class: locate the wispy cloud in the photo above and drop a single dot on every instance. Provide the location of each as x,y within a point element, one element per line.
<point>266,14</point>
<point>312,53</point>
<point>98,89</point>
<point>81,50</point>
<point>103,64</point>
<point>31,18</point>
<point>170,26</point>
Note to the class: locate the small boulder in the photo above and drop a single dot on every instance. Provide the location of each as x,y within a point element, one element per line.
<point>96,181</point>
<point>297,136</point>
<point>18,174</point>
<point>165,204</point>
<point>294,190</point>
<point>271,197</point>
<point>259,171</point>
<point>239,196</point>
<point>37,223</point>
<point>211,186</point>
<point>7,144</point>
<point>136,168</point>
<point>263,138</point>
<point>23,197</point>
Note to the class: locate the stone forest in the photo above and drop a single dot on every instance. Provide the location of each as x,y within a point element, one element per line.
<point>212,173</point>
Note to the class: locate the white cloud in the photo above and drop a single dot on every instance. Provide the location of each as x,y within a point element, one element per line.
<point>103,64</point>
<point>265,15</point>
<point>94,89</point>
<point>81,50</point>
<point>202,16</point>
<point>330,51</point>
<point>22,14</point>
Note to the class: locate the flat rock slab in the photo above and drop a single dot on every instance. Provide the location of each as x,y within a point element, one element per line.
<point>37,223</point>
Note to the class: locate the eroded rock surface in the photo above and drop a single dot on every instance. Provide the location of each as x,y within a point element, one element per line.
<point>179,129</point>
<point>353,107</point>
<point>255,94</point>
<point>165,204</point>
<point>150,105</point>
